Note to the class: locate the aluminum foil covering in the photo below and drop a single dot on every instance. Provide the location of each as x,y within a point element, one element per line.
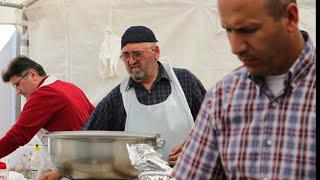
<point>148,161</point>
<point>154,175</point>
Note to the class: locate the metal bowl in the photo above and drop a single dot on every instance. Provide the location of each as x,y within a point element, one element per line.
<point>95,154</point>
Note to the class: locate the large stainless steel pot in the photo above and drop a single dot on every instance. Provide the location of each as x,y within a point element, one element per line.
<point>95,154</point>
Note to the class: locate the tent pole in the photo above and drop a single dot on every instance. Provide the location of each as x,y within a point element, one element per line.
<point>17,97</point>
<point>12,5</point>
<point>24,44</point>
<point>29,3</point>
<point>18,6</point>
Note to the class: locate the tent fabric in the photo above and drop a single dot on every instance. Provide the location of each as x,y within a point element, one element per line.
<point>66,36</point>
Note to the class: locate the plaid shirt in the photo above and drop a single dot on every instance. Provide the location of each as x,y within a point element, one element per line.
<point>110,113</point>
<point>243,131</point>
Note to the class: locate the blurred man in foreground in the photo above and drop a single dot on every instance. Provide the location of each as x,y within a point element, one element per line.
<point>259,122</point>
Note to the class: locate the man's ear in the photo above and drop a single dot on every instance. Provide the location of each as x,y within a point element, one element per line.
<point>156,49</point>
<point>34,74</point>
<point>292,15</point>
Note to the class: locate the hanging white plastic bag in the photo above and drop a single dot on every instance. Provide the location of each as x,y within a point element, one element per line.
<point>109,54</point>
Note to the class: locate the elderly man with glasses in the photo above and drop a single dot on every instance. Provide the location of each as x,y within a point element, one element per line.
<point>154,98</point>
<point>52,104</point>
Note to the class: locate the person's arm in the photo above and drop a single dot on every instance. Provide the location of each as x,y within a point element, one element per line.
<point>109,114</point>
<point>35,114</point>
<point>198,94</point>
<point>200,157</point>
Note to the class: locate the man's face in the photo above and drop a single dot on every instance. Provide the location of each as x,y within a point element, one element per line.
<point>140,60</point>
<point>24,84</point>
<point>255,37</point>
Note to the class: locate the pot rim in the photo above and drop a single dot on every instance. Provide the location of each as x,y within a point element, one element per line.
<point>99,134</point>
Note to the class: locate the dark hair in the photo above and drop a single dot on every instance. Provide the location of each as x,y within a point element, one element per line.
<point>276,8</point>
<point>19,65</point>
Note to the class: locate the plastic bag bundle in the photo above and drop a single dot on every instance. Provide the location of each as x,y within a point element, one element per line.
<point>109,54</point>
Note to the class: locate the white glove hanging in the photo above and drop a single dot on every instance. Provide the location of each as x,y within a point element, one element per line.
<point>109,54</point>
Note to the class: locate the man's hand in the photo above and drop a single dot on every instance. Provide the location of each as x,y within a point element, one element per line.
<point>51,175</point>
<point>174,154</point>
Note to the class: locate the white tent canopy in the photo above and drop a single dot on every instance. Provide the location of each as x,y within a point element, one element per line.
<point>78,40</point>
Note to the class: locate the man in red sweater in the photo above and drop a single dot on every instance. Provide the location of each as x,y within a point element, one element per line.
<point>52,104</point>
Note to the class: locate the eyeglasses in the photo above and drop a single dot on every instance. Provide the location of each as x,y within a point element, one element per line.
<point>17,84</point>
<point>125,56</point>
<point>135,55</point>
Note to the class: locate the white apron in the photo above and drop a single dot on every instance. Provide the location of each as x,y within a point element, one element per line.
<point>172,119</point>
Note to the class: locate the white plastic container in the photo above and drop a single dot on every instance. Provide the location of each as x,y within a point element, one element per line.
<point>4,173</point>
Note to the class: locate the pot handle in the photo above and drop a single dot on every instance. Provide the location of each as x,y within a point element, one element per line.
<point>160,143</point>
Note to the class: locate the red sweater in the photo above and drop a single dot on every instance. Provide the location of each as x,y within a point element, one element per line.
<point>59,106</point>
